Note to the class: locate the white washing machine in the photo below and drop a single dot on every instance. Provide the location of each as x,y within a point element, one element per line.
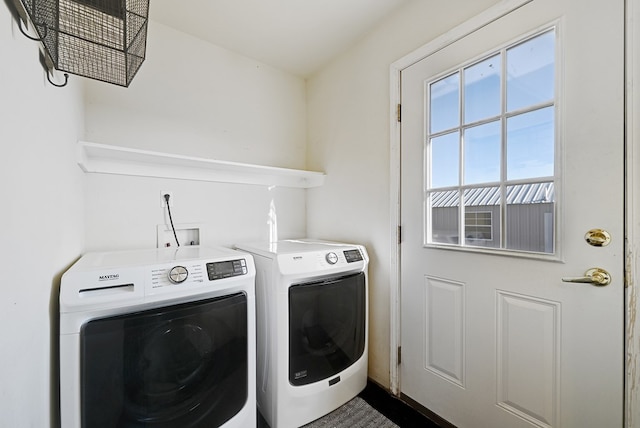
<point>312,328</point>
<point>158,338</point>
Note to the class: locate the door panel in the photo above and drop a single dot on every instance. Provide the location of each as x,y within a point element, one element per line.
<point>495,338</point>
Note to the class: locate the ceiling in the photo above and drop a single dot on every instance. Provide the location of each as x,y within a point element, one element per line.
<point>297,36</point>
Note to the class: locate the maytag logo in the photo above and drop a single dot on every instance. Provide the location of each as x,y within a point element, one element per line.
<point>108,277</point>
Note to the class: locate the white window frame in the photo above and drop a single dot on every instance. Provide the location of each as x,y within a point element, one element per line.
<point>503,183</point>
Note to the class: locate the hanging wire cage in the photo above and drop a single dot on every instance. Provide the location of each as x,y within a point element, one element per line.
<point>100,39</point>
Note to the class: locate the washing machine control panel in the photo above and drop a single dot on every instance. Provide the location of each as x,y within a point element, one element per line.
<point>226,269</point>
<point>196,272</point>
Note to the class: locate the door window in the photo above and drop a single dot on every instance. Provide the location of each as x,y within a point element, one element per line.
<point>490,150</point>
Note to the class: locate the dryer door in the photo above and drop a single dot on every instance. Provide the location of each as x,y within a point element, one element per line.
<point>327,322</point>
<point>177,366</point>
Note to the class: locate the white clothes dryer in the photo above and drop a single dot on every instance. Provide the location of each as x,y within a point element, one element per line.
<point>312,328</point>
<point>158,338</point>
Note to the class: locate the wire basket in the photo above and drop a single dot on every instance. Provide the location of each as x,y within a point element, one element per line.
<point>100,39</point>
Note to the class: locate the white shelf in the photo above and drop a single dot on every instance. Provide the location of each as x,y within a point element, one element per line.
<point>108,159</point>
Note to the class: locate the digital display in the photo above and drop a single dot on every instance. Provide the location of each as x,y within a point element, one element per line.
<point>353,256</point>
<point>226,269</point>
<point>222,267</point>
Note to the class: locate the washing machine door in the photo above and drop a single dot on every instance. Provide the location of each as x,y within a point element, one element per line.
<point>327,322</point>
<point>179,366</point>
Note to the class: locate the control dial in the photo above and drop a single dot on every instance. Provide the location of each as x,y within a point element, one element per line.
<point>178,274</point>
<point>331,258</point>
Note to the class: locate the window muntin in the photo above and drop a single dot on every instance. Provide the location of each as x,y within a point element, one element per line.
<point>491,136</point>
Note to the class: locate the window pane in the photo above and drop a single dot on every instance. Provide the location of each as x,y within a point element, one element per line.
<point>530,217</point>
<point>530,72</point>
<point>445,103</point>
<point>530,144</point>
<point>445,157</point>
<point>444,217</point>
<point>482,90</point>
<point>482,153</point>
<point>477,225</point>
<point>482,217</point>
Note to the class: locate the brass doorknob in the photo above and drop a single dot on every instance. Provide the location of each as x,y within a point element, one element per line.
<point>595,276</point>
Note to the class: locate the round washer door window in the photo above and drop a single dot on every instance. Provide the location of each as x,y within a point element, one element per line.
<point>178,366</point>
<point>326,327</point>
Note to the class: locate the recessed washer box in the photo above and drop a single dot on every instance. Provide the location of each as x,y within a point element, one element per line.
<point>188,234</point>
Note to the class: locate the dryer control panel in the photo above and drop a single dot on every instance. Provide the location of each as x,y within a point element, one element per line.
<point>352,256</point>
<point>322,261</point>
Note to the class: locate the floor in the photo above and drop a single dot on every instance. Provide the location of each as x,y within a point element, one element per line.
<point>394,409</point>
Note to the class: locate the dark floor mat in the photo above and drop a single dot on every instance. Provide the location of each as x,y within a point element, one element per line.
<point>397,411</point>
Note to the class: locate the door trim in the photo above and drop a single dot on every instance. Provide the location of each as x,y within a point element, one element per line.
<point>632,214</point>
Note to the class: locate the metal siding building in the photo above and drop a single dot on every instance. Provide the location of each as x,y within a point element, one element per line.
<point>529,217</point>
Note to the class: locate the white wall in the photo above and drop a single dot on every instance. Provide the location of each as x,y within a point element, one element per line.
<point>122,212</point>
<point>348,138</point>
<point>41,224</point>
<point>193,98</point>
<point>189,98</point>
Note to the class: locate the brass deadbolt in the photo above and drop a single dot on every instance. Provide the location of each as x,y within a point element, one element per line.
<point>597,238</point>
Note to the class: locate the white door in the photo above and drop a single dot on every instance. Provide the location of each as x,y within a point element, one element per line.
<point>511,151</point>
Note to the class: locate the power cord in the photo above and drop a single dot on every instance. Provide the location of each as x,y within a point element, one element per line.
<point>166,198</point>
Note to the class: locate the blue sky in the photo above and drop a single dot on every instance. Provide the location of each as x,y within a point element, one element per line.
<point>530,135</point>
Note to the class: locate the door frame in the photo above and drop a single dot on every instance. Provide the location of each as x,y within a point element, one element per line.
<point>632,181</point>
